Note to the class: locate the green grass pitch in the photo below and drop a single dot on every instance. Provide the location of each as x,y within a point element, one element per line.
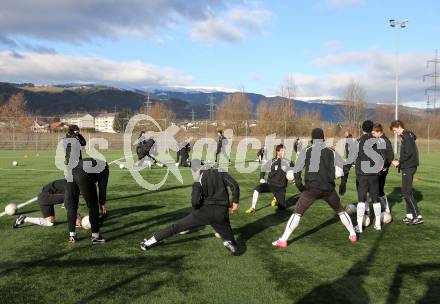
<point>400,264</point>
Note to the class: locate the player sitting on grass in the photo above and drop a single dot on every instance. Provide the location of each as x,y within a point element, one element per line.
<point>276,182</point>
<point>210,201</point>
<point>50,195</point>
<point>318,162</point>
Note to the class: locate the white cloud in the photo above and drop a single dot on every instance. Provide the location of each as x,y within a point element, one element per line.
<point>44,68</point>
<point>82,21</point>
<point>231,26</point>
<point>374,70</point>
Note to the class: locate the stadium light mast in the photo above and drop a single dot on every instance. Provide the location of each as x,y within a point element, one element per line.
<point>397,25</point>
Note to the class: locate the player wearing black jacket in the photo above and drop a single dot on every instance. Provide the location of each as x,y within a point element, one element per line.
<point>73,133</point>
<point>262,154</point>
<point>210,201</point>
<point>84,182</point>
<point>221,142</point>
<point>389,157</point>
<point>367,174</point>
<point>145,149</point>
<point>50,195</point>
<point>407,164</point>
<point>183,154</point>
<point>276,181</point>
<point>319,165</point>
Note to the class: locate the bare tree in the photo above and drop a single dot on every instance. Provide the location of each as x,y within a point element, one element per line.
<point>161,113</point>
<point>353,107</point>
<point>235,110</point>
<point>13,114</point>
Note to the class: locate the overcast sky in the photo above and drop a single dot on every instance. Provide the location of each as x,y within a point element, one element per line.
<point>322,44</point>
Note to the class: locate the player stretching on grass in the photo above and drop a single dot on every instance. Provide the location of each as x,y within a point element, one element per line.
<point>318,162</point>
<point>50,195</point>
<point>210,201</point>
<point>407,164</point>
<point>276,181</point>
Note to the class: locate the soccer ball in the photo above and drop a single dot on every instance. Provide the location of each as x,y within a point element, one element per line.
<point>121,166</point>
<point>351,209</point>
<point>10,209</point>
<point>15,163</point>
<point>85,222</point>
<point>339,172</point>
<point>366,221</point>
<point>289,175</point>
<point>386,218</point>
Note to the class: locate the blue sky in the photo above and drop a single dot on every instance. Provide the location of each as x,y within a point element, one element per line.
<point>322,44</point>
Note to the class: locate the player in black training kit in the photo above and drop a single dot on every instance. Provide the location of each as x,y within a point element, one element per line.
<point>389,157</point>
<point>73,133</point>
<point>262,154</point>
<point>319,163</point>
<point>145,150</point>
<point>221,143</point>
<point>276,181</point>
<point>183,154</point>
<point>84,181</point>
<point>50,195</point>
<point>210,201</point>
<point>367,174</point>
<point>407,164</point>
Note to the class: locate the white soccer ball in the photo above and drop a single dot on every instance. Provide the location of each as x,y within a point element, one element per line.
<point>366,221</point>
<point>15,163</point>
<point>10,209</point>
<point>339,172</point>
<point>85,222</point>
<point>386,218</point>
<point>262,181</point>
<point>289,175</point>
<point>351,209</point>
<point>121,166</point>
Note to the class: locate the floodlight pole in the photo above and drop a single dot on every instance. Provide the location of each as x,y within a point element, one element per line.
<point>397,25</point>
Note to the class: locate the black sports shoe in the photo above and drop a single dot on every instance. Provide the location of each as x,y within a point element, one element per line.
<point>233,249</point>
<point>19,221</point>
<point>73,239</point>
<point>98,240</point>
<point>407,220</point>
<point>417,221</point>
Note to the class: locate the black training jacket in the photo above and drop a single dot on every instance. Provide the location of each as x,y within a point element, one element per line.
<point>324,176</point>
<point>277,174</point>
<point>81,141</point>
<point>388,152</point>
<point>363,157</point>
<point>409,154</point>
<point>56,187</point>
<point>215,188</point>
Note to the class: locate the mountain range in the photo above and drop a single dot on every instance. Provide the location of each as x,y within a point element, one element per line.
<point>73,98</point>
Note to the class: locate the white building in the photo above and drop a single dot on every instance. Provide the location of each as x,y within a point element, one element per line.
<point>82,120</point>
<point>104,122</point>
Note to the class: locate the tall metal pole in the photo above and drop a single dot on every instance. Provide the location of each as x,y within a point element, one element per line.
<point>398,25</point>
<point>396,113</point>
